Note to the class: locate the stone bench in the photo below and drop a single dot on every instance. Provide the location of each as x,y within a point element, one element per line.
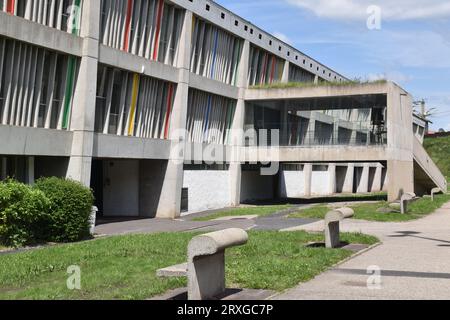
<point>332,221</point>
<point>406,199</point>
<point>205,268</point>
<point>435,191</point>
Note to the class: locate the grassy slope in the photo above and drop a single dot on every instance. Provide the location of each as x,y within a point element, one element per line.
<point>124,267</point>
<point>368,211</point>
<point>439,151</point>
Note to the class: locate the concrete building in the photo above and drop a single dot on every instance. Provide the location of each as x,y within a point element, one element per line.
<point>136,98</point>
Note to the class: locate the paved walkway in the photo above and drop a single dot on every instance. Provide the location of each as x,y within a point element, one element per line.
<point>276,221</point>
<point>414,259</point>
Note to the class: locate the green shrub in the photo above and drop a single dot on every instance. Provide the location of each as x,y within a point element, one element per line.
<point>24,217</point>
<point>70,208</point>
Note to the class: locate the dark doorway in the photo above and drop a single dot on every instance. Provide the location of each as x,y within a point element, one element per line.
<point>97,184</point>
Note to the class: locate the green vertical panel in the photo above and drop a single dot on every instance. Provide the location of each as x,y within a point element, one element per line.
<point>76,29</point>
<point>69,91</point>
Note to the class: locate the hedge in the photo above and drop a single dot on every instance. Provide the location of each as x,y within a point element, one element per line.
<point>70,208</point>
<point>24,214</point>
<point>55,209</point>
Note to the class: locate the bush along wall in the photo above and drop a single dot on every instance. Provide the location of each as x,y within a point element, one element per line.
<point>54,209</point>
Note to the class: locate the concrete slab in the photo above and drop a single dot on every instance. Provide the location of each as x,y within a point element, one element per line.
<point>179,270</point>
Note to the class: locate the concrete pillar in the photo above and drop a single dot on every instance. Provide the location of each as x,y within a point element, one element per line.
<point>400,177</point>
<point>30,170</point>
<point>400,165</point>
<point>363,186</point>
<point>307,172</point>
<point>332,178</point>
<point>169,206</point>
<point>285,76</point>
<point>83,111</point>
<point>238,127</point>
<point>377,178</point>
<point>349,177</point>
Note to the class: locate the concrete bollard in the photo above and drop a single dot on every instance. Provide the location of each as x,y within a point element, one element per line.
<point>435,191</point>
<point>206,262</point>
<point>332,222</point>
<point>405,200</point>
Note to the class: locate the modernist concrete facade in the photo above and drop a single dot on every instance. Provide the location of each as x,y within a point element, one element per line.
<point>121,95</point>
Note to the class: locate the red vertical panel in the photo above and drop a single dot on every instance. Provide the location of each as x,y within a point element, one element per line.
<point>265,62</point>
<point>169,111</point>
<point>158,28</point>
<point>272,72</point>
<point>128,25</point>
<point>10,6</point>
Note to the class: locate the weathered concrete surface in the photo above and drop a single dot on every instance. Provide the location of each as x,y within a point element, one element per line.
<point>332,226</point>
<point>413,259</point>
<point>206,262</point>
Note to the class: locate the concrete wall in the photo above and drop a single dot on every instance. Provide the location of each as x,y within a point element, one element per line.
<point>292,184</point>
<point>121,188</point>
<point>151,179</point>
<point>207,189</point>
<point>320,181</point>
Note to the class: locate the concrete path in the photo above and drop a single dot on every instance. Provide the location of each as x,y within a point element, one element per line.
<point>414,260</point>
<point>276,221</point>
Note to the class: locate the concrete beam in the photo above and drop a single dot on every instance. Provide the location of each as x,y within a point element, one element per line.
<point>317,91</point>
<point>39,35</point>
<point>23,141</point>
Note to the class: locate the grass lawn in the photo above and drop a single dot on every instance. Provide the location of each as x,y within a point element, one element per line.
<point>124,267</point>
<point>244,211</point>
<point>439,151</point>
<point>368,211</point>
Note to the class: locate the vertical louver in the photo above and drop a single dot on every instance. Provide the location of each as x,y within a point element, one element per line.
<point>264,68</point>
<point>297,74</point>
<point>209,117</point>
<point>133,105</point>
<point>63,15</point>
<point>215,52</point>
<point>36,86</point>
<point>148,28</point>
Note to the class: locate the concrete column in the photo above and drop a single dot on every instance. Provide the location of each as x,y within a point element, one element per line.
<point>349,177</point>
<point>363,186</point>
<point>83,111</point>
<point>307,172</point>
<point>376,185</point>
<point>30,170</point>
<point>400,177</point>
<point>332,178</point>
<point>285,76</point>
<point>400,165</point>
<point>169,206</point>
<point>238,127</point>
